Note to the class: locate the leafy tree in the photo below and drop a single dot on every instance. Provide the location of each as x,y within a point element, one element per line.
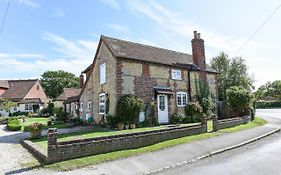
<point>239,99</point>
<point>269,91</point>
<point>53,82</point>
<point>232,72</point>
<point>6,105</point>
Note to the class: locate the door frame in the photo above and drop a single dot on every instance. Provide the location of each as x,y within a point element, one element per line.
<point>163,116</point>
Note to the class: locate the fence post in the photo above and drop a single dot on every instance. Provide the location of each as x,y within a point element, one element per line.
<point>52,145</point>
<point>215,122</point>
<point>204,121</point>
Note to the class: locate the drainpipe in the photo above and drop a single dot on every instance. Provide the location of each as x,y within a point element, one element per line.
<point>189,85</point>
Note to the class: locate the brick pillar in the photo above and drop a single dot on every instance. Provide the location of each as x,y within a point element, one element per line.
<point>215,122</point>
<point>52,145</point>
<point>204,123</point>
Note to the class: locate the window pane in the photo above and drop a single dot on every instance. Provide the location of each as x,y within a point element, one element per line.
<point>179,99</point>
<point>102,73</point>
<point>162,103</point>
<point>184,99</point>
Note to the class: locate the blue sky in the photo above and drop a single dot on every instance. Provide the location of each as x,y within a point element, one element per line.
<point>51,34</point>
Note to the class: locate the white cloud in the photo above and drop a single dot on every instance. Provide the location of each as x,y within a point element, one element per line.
<point>119,28</point>
<point>72,55</point>
<point>174,29</point>
<point>29,3</point>
<point>58,12</point>
<point>112,3</point>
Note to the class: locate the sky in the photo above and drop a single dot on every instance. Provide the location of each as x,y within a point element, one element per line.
<point>41,35</point>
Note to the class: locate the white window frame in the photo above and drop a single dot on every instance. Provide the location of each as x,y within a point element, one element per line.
<point>103,73</point>
<point>28,107</point>
<point>176,74</point>
<point>81,107</point>
<point>181,96</point>
<point>102,103</point>
<point>89,107</point>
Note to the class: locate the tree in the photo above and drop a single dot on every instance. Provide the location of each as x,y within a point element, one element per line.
<point>269,91</point>
<point>53,82</point>
<point>239,99</point>
<point>232,72</point>
<point>6,105</point>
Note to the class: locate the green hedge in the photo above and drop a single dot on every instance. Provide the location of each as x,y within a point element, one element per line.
<point>13,124</point>
<point>268,104</point>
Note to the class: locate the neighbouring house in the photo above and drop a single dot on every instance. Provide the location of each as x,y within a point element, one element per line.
<point>4,85</point>
<point>59,102</point>
<point>26,93</point>
<point>161,77</point>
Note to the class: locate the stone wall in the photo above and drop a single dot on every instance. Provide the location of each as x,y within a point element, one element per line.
<point>228,123</point>
<point>58,151</point>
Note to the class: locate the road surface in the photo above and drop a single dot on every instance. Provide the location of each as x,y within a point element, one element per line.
<point>258,158</point>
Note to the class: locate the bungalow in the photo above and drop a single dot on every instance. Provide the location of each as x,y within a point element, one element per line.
<point>67,92</point>
<point>161,77</point>
<point>26,93</point>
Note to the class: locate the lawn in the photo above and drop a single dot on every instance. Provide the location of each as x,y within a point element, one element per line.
<point>28,121</point>
<point>97,132</point>
<point>96,159</point>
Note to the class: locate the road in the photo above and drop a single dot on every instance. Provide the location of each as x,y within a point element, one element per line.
<point>258,158</point>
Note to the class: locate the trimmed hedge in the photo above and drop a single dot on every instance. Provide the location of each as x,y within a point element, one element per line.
<point>13,124</point>
<point>268,104</point>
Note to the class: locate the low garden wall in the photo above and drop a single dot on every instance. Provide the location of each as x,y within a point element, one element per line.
<point>228,123</point>
<point>58,151</point>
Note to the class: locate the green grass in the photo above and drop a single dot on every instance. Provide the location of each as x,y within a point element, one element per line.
<point>28,121</point>
<point>95,132</point>
<point>92,160</point>
<point>256,122</point>
<point>96,159</point>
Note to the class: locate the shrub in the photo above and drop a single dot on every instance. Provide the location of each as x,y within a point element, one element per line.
<point>128,108</point>
<point>3,120</point>
<point>50,122</point>
<point>36,130</point>
<point>239,99</point>
<point>193,112</point>
<point>176,119</point>
<point>112,120</point>
<point>19,113</point>
<point>149,113</point>
<point>268,104</point>
<point>13,124</point>
<point>60,114</point>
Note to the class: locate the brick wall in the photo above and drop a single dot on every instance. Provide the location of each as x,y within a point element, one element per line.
<point>58,151</point>
<point>228,123</point>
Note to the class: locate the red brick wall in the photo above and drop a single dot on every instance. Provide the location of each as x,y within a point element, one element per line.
<point>198,54</point>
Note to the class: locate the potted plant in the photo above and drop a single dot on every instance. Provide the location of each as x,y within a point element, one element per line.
<point>36,130</point>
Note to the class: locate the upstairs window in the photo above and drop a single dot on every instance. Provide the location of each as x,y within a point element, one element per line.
<point>103,73</point>
<point>89,106</point>
<point>181,99</point>
<point>102,104</point>
<point>81,107</point>
<point>176,74</point>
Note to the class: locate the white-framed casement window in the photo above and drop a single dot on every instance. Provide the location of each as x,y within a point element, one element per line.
<point>89,106</point>
<point>176,74</point>
<point>28,107</point>
<point>103,73</point>
<point>102,103</point>
<point>181,99</point>
<point>81,107</point>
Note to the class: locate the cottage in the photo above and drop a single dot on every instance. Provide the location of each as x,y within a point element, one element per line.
<point>59,102</point>
<point>161,77</point>
<point>26,93</point>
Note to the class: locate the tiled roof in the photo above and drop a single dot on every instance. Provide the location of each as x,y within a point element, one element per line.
<point>18,89</point>
<point>131,50</point>
<point>68,92</point>
<point>4,83</point>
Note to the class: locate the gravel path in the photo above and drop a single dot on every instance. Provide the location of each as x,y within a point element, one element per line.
<point>13,155</point>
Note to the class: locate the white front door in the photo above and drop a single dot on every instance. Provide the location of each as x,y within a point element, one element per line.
<point>162,104</point>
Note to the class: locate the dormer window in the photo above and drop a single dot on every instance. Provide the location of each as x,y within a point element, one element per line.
<point>176,74</point>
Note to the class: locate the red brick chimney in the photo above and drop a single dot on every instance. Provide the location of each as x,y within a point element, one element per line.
<point>198,54</point>
<point>81,80</point>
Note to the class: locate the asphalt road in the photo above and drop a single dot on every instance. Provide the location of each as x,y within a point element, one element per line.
<point>258,158</point>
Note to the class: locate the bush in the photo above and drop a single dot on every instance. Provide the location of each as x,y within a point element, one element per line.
<point>268,104</point>
<point>19,113</point>
<point>150,119</point>
<point>36,130</point>
<point>3,120</point>
<point>60,114</point>
<point>239,99</point>
<point>176,119</point>
<point>112,120</point>
<point>13,124</point>
<point>128,108</point>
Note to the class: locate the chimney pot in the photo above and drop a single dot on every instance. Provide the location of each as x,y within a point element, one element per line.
<point>195,34</point>
<point>198,36</point>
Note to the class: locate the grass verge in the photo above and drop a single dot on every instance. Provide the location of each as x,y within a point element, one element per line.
<point>256,122</point>
<point>92,160</point>
<point>96,159</point>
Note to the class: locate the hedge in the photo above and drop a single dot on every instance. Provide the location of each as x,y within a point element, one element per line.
<point>13,124</point>
<point>268,104</point>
